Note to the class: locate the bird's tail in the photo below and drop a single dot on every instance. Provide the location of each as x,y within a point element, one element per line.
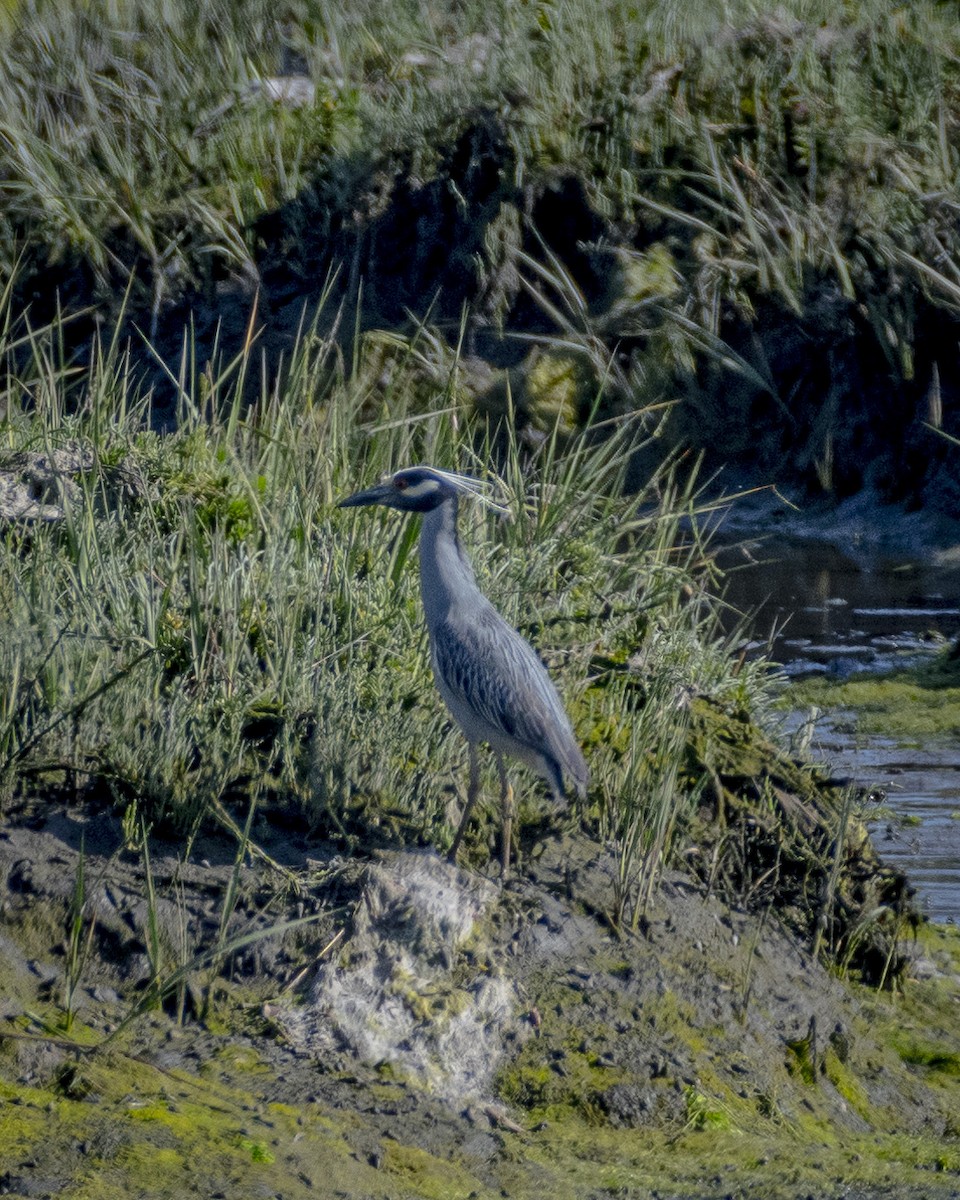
<point>569,768</point>
<point>579,772</point>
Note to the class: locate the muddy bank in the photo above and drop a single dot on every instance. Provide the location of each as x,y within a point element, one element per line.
<point>709,1056</point>
<point>865,528</point>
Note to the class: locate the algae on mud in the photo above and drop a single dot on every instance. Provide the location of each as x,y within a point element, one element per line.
<point>656,1065</point>
<point>906,705</point>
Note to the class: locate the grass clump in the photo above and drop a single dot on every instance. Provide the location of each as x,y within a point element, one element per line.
<point>220,638</point>
<point>197,635</point>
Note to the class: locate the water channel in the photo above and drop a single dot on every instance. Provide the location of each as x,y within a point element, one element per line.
<point>827,612</point>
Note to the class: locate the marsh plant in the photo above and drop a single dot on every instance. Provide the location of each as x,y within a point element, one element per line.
<point>775,127</point>
<point>81,926</point>
<point>219,638</point>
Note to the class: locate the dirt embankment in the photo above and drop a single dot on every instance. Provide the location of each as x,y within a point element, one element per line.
<point>434,1033</point>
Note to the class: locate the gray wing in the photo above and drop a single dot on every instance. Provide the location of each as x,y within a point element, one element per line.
<point>496,675</point>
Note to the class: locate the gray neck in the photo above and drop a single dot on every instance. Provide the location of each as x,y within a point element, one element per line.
<point>446,576</point>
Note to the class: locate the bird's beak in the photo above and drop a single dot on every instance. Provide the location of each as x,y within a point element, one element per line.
<point>375,495</point>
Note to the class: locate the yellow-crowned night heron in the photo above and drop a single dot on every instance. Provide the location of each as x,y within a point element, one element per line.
<point>493,683</point>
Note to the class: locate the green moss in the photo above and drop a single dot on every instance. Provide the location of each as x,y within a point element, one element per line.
<point>425,1175</point>
<point>436,1005</point>
<point>555,388</point>
<point>906,705</point>
<point>242,1058</point>
<point>930,1055</point>
<point>800,1062</point>
<point>26,1115</point>
<point>848,1086</point>
<point>923,1153</point>
<point>673,1015</point>
<point>257,1150</point>
<point>526,1085</point>
<point>795,1160</point>
<point>199,1136</point>
<point>560,1071</point>
<point>153,1162</point>
<point>706,1112</point>
<point>778,1143</point>
<point>196,1135</point>
<point>569,1081</point>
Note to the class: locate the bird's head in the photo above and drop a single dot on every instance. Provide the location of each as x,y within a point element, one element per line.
<point>415,489</point>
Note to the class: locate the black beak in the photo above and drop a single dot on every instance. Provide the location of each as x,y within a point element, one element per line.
<point>375,495</point>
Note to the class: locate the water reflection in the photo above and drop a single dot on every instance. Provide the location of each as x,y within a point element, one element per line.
<point>826,613</point>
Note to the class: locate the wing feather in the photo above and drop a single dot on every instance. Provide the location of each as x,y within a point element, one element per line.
<point>498,688</point>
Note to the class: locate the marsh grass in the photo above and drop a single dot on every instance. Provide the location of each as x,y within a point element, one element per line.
<point>81,926</point>
<point>204,635</point>
<point>644,817</point>
<point>138,140</point>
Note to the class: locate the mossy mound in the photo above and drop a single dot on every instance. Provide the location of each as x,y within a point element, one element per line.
<point>712,1044</point>
<point>775,834</point>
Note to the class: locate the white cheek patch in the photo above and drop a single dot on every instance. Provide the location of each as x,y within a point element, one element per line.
<point>417,492</point>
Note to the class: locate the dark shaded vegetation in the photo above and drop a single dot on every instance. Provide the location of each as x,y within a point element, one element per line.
<point>752,216</point>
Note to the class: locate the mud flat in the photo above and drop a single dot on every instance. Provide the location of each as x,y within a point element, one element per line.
<point>434,1033</point>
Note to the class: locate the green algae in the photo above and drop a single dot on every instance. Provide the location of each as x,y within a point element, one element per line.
<point>241,1058</point>
<point>848,1086</point>
<point>570,1081</point>
<point>706,1112</point>
<point>712,1162</point>
<point>176,1132</point>
<point>827,1123</point>
<point>906,705</point>
<point>426,1176</point>
<point>929,1055</point>
<point>257,1150</point>
<point>172,1134</point>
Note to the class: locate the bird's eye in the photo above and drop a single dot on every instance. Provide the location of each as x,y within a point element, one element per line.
<point>400,484</point>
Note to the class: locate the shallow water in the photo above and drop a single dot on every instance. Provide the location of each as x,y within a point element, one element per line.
<point>914,812</point>
<point>826,613</point>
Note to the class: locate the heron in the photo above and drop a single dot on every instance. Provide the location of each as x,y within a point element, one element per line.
<point>490,678</point>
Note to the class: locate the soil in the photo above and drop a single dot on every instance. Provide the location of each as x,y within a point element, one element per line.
<point>433,1032</point>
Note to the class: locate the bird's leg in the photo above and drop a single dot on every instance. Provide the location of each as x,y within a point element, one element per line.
<point>473,791</point>
<point>506,807</point>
